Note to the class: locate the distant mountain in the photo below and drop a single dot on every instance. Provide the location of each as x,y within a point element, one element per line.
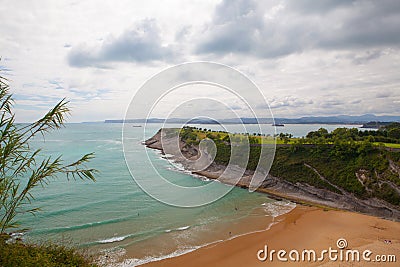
<point>340,119</point>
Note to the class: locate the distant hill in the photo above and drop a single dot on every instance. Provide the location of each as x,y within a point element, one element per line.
<point>340,119</point>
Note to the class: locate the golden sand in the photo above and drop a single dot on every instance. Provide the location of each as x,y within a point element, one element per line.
<point>302,228</point>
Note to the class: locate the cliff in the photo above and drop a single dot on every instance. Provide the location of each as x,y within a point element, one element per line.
<point>303,177</point>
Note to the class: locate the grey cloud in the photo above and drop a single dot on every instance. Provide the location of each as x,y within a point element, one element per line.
<point>365,57</point>
<point>142,43</point>
<point>354,102</point>
<point>289,101</point>
<point>278,28</point>
<point>228,11</point>
<point>383,94</point>
<point>57,84</point>
<point>182,33</point>
<point>234,28</point>
<point>319,6</point>
<point>331,103</point>
<point>366,24</point>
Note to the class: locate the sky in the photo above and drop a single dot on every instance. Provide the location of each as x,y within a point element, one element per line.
<point>309,58</point>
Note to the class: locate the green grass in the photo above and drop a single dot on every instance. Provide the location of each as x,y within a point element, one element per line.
<point>388,145</point>
<point>280,142</point>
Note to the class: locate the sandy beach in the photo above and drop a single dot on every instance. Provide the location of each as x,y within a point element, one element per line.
<point>303,228</point>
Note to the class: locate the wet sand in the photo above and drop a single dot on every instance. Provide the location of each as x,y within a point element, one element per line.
<point>302,228</point>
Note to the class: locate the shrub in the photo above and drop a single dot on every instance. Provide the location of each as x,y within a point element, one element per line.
<point>50,255</point>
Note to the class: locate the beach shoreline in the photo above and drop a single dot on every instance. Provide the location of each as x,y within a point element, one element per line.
<point>261,218</point>
<point>302,228</point>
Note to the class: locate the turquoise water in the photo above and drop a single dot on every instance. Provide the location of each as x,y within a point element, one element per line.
<point>115,214</point>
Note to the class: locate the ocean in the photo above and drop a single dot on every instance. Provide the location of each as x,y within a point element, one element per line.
<point>113,214</point>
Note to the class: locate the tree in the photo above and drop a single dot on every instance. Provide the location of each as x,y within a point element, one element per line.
<point>226,138</point>
<point>285,137</point>
<point>394,133</point>
<point>21,168</point>
<point>254,140</point>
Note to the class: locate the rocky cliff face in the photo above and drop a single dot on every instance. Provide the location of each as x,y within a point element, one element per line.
<point>277,187</point>
<point>346,201</point>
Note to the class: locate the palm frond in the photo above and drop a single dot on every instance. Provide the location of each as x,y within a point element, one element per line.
<point>18,160</point>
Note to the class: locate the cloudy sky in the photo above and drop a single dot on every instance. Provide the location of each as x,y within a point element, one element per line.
<point>325,57</point>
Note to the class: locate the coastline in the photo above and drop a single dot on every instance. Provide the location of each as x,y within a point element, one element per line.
<point>275,187</point>
<point>302,228</point>
<point>314,224</point>
<point>249,225</point>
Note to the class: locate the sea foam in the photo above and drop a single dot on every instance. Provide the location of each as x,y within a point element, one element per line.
<point>112,239</point>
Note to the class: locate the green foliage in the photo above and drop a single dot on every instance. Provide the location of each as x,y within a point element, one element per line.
<point>322,132</point>
<point>393,125</point>
<point>223,153</point>
<point>285,137</point>
<point>394,156</point>
<point>290,165</point>
<point>254,140</point>
<point>387,193</point>
<point>226,138</point>
<point>189,136</point>
<point>29,255</point>
<point>338,157</point>
<point>394,133</point>
<point>21,168</point>
<point>389,134</point>
<point>340,165</point>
